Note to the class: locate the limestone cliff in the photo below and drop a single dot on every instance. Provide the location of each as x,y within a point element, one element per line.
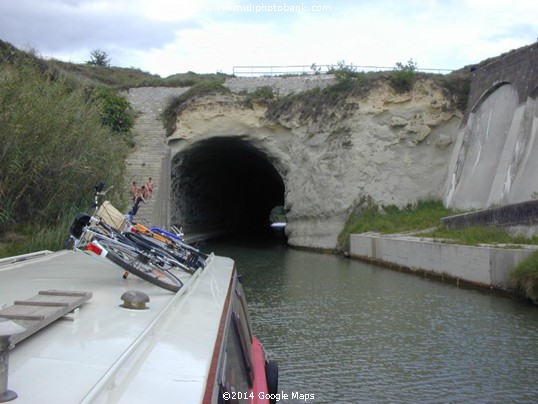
<point>393,148</point>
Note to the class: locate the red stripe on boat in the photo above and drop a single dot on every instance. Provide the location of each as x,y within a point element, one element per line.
<point>260,380</point>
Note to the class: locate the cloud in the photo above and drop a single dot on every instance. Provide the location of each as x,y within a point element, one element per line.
<point>447,34</point>
<point>172,36</point>
<point>65,26</point>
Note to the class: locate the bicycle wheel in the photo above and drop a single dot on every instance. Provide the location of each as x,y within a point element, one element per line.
<point>143,266</point>
<point>188,255</point>
<point>152,246</point>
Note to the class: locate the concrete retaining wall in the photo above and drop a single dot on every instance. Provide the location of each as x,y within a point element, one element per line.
<point>483,266</point>
<point>523,213</point>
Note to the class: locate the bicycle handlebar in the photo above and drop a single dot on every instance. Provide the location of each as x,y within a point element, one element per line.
<point>103,193</point>
<point>99,192</point>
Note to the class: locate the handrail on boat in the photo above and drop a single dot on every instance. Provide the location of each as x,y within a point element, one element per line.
<point>112,371</point>
<point>24,257</point>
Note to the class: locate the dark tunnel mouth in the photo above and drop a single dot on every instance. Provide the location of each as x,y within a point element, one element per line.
<point>224,184</point>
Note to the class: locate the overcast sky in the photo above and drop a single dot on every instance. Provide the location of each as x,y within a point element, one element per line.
<point>207,36</point>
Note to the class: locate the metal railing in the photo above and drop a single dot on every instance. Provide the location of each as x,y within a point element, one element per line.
<point>294,70</point>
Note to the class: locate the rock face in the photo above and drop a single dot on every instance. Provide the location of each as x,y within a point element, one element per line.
<point>392,148</point>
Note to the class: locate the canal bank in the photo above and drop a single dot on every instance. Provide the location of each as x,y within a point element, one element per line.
<point>484,266</point>
<point>347,331</point>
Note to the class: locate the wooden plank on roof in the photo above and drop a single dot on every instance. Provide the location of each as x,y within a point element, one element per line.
<point>41,310</point>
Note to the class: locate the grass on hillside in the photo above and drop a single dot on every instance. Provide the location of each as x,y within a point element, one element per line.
<point>125,78</point>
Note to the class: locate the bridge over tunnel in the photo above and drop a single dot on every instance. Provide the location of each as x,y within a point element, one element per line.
<point>224,184</point>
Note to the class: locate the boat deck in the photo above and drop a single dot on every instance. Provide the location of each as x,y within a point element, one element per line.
<point>107,353</point>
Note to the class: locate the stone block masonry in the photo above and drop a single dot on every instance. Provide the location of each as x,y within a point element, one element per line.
<point>280,85</point>
<point>519,67</point>
<point>151,156</point>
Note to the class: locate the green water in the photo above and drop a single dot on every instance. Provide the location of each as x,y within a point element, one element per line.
<point>344,331</point>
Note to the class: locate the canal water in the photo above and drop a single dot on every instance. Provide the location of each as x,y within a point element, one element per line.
<point>344,331</point>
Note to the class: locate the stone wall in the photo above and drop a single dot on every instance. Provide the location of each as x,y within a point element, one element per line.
<point>280,85</point>
<point>518,67</point>
<point>494,157</point>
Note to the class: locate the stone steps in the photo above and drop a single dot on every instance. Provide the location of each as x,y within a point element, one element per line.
<point>149,137</point>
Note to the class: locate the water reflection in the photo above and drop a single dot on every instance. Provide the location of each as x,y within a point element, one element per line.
<point>349,332</point>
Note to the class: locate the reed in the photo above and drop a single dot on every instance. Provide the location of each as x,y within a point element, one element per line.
<point>37,238</point>
<point>53,146</point>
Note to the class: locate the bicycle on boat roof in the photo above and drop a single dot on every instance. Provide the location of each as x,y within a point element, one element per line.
<point>169,240</point>
<point>127,249</point>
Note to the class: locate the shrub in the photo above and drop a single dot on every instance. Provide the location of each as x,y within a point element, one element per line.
<point>117,112</point>
<point>457,86</point>
<point>524,278</point>
<point>264,94</point>
<point>403,78</point>
<point>346,77</point>
<point>342,72</point>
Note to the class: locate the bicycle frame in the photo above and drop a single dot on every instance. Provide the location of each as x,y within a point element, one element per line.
<point>94,246</point>
<point>88,229</point>
<point>94,234</point>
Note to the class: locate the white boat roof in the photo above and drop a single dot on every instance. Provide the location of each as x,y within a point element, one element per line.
<point>110,354</point>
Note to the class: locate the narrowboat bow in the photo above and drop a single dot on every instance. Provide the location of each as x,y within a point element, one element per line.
<point>127,341</point>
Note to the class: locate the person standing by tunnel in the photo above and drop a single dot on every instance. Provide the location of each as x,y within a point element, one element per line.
<point>150,185</point>
<point>134,190</point>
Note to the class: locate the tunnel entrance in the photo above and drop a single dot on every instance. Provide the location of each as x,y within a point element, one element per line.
<point>224,184</point>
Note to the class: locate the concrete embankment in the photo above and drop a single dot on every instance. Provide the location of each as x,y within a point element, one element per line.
<point>482,266</point>
<point>518,218</point>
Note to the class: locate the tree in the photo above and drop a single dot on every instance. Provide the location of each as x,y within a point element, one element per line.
<point>98,58</point>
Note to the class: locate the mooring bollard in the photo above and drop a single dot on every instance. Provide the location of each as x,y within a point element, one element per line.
<point>134,299</point>
<point>7,329</point>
